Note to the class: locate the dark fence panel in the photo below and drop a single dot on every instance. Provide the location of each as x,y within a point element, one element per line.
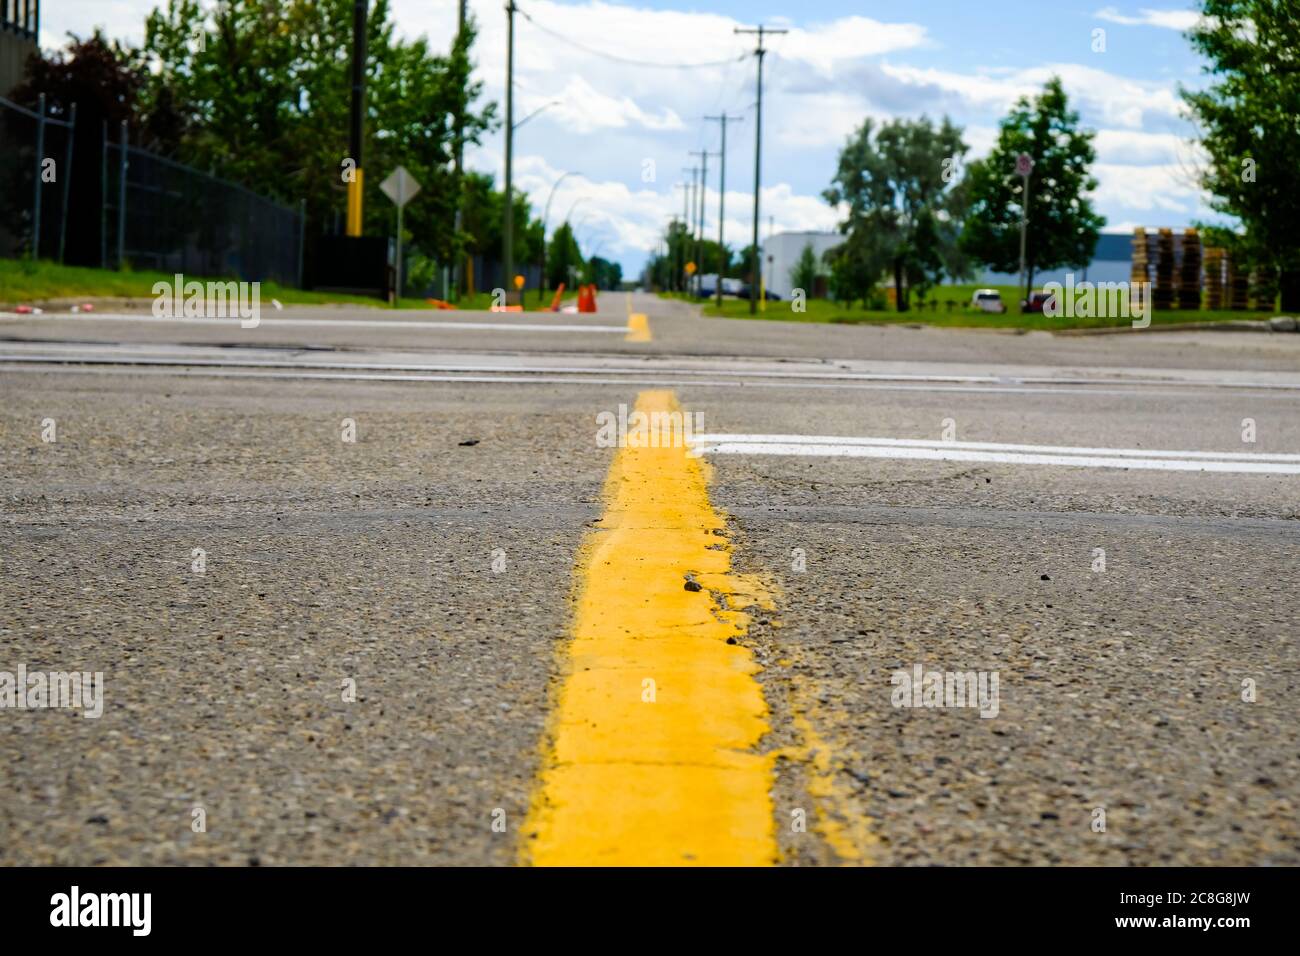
<point>178,219</point>
<point>33,189</point>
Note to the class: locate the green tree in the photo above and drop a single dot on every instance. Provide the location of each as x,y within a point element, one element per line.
<point>741,266</point>
<point>804,273</point>
<point>898,183</point>
<point>105,81</point>
<point>1250,134</point>
<point>603,273</point>
<point>263,88</point>
<point>1062,228</point>
<point>563,258</point>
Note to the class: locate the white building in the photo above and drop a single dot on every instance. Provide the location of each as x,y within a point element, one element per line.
<point>782,251</point>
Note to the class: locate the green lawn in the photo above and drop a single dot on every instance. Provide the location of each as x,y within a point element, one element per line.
<point>961,314</point>
<point>25,282</point>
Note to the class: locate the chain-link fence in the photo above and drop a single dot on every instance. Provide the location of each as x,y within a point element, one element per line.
<point>36,156</point>
<point>160,214</point>
<point>129,207</point>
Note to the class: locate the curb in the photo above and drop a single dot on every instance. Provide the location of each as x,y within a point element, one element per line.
<point>1280,323</point>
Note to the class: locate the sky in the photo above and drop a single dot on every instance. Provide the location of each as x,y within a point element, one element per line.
<point>632,82</point>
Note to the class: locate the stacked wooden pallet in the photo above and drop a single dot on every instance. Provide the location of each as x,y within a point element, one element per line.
<point>1238,287</point>
<point>1162,297</point>
<point>1215,259</point>
<point>1140,269</point>
<point>1189,272</point>
<point>1263,289</point>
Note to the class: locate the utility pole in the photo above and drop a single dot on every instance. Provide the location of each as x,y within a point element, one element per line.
<point>508,235</point>
<point>688,215</point>
<point>460,164</point>
<point>704,155</point>
<point>722,121</point>
<point>688,196</point>
<point>759,52</point>
<point>356,187</point>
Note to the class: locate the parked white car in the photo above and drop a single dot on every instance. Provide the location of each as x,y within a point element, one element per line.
<point>988,300</point>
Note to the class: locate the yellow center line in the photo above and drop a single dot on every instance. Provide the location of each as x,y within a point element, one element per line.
<point>638,324</point>
<point>650,758</point>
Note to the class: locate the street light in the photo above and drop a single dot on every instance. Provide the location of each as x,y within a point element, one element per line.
<point>546,215</point>
<point>569,215</point>
<point>539,109</point>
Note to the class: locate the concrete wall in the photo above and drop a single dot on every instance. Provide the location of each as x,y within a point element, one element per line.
<point>1099,270</point>
<point>15,48</point>
<point>785,249</point>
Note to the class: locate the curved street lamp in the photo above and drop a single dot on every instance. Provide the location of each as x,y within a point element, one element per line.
<point>540,109</point>
<point>546,215</point>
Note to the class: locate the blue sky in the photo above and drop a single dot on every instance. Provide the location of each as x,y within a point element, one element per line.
<point>628,129</point>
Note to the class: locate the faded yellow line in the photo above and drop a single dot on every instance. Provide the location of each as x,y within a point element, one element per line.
<point>846,831</point>
<point>638,324</point>
<point>650,758</point>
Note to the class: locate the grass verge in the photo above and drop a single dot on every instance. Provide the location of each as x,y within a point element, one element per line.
<point>25,282</point>
<point>958,315</point>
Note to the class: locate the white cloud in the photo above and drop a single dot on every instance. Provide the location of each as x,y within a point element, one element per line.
<point>584,109</point>
<point>119,19</point>
<point>1111,99</point>
<point>849,38</point>
<point>1181,20</point>
<point>1165,188</point>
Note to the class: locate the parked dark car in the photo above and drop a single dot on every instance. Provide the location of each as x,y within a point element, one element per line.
<point>1036,302</point>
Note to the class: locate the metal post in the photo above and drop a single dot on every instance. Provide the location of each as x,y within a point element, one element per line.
<point>758,153</point>
<point>356,188</point>
<point>36,198</point>
<point>508,234</point>
<point>453,295</point>
<point>103,195</point>
<point>121,201</point>
<point>67,181</point>
<point>1024,226</point>
<point>397,293</point>
<point>302,238</point>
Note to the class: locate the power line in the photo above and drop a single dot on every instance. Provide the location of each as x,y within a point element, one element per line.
<point>628,60</point>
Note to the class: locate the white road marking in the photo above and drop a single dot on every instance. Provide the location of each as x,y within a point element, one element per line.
<point>996,453</point>
<point>325,323</point>
<point>524,376</point>
<point>715,439</point>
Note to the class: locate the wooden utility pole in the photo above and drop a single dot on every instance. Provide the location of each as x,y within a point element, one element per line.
<point>722,121</point>
<point>756,264</point>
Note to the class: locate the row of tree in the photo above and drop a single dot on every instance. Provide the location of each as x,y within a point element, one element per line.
<point>917,214</point>
<point>258,92</point>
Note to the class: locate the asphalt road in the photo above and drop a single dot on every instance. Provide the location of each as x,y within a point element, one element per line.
<point>376,662</point>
